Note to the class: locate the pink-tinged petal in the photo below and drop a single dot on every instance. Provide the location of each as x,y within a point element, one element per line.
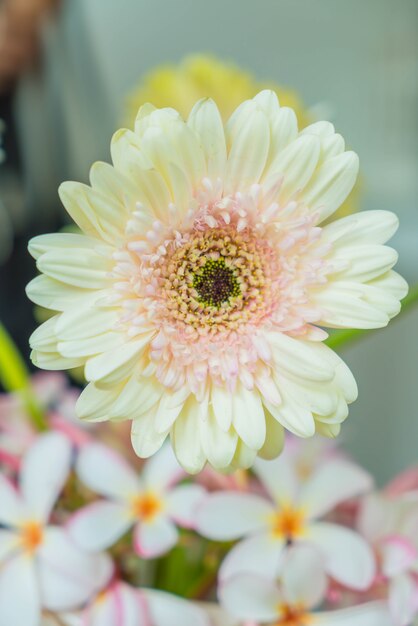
<point>67,575</point>
<point>162,470</point>
<point>249,596</point>
<point>182,503</point>
<point>19,594</point>
<point>168,610</point>
<point>44,471</point>
<point>403,600</point>
<point>371,614</point>
<point>230,515</point>
<point>379,517</point>
<point>99,525</point>
<point>120,605</point>
<point>303,576</point>
<point>106,472</point>
<point>261,554</point>
<point>156,537</point>
<point>12,507</point>
<point>278,477</point>
<point>348,557</point>
<point>398,555</point>
<point>333,483</point>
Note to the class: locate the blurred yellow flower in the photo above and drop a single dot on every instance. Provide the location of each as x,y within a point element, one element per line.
<point>204,76</point>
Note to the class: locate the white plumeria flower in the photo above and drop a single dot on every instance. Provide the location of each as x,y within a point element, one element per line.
<point>151,503</point>
<point>291,600</point>
<point>391,525</point>
<point>196,293</point>
<point>39,565</point>
<point>290,513</point>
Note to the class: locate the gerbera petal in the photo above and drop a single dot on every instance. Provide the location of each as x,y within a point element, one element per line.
<point>185,438</point>
<point>296,163</point>
<point>332,184</point>
<point>106,472</point>
<point>156,537</point>
<point>146,439</point>
<point>253,597</point>
<point>44,472</point>
<point>99,525</point>
<point>19,592</point>
<point>248,142</point>
<point>53,294</point>
<point>222,406</point>
<point>260,554</point>
<point>205,120</point>
<point>348,557</point>
<point>182,503</point>
<point>274,442</point>
<point>92,211</point>
<point>67,575</point>
<point>107,370</point>
<point>368,227</point>
<point>248,417</point>
<point>229,515</point>
<point>333,483</point>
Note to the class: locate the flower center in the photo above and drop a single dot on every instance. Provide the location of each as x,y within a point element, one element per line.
<point>288,523</point>
<point>292,616</point>
<point>146,506</point>
<point>31,536</point>
<point>216,283</point>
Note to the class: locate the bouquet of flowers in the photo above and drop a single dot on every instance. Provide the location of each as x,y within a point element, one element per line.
<point>196,297</point>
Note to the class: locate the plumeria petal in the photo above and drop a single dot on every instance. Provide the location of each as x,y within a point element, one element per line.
<point>182,504</point>
<point>162,470</point>
<point>261,554</point>
<point>19,593</point>
<point>100,524</point>
<point>168,610</point>
<point>67,575</point>
<point>106,473</point>
<point>403,599</point>
<point>304,581</point>
<point>225,516</point>
<point>155,537</point>
<point>44,472</point>
<point>12,508</point>
<point>348,558</point>
<point>249,596</point>
<point>331,484</point>
<point>371,614</point>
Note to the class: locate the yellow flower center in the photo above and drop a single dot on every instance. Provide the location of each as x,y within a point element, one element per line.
<point>288,523</point>
<point>293,616</point>
<point>146,506</point>
<point>31,536</point>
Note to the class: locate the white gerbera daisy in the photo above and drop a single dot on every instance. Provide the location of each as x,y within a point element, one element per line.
<point>195,294</point>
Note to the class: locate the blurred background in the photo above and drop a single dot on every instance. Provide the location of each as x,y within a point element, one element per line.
<point>67,67</point>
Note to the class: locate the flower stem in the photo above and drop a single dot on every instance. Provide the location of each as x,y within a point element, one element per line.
<point>343,338</point>
<point>14,377</point>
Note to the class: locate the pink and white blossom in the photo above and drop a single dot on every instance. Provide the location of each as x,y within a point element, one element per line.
<point>152,503</point>
<point>291,599</point>
<point>40,567</point>
<point>290,511</point>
